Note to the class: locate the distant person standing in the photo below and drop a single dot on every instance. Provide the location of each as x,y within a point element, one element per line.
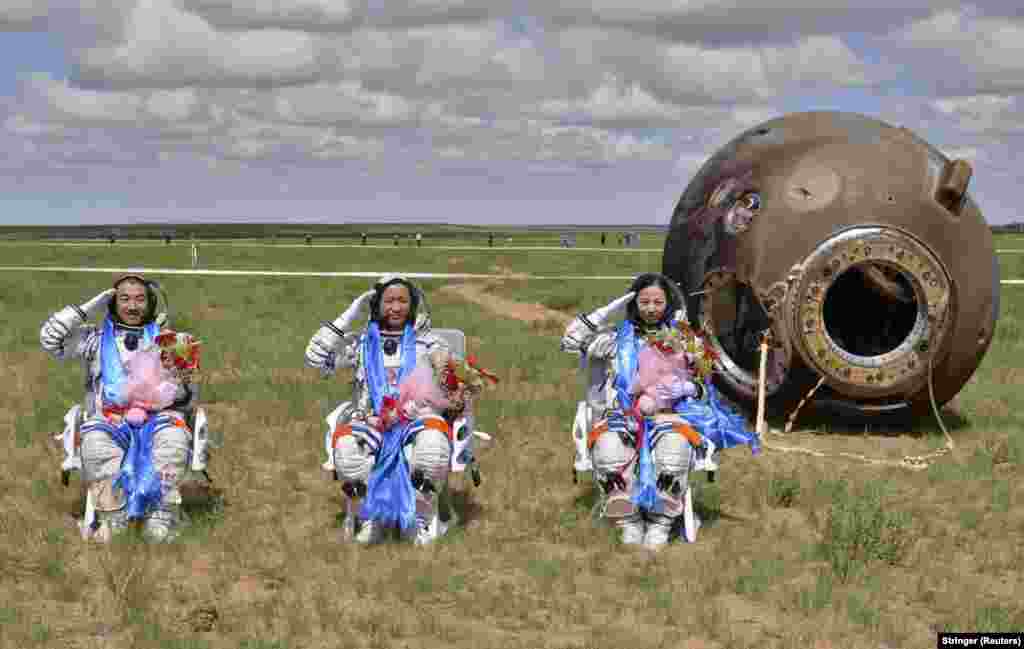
<point>396,238</point>
<point>490,239</point>
<point>602,239</point>
<point>195,254</point>
<point>364,238</point>
<point>419,240</point>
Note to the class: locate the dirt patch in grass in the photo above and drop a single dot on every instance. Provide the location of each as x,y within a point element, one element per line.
<point>526,312</point>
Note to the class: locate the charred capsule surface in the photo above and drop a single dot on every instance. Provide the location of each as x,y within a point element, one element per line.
<point>856,243</point>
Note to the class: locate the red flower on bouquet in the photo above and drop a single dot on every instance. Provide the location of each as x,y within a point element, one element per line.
<point>389,412</point>
<point>472,364</point>
<point>179,351</point>
<point>685,338</point>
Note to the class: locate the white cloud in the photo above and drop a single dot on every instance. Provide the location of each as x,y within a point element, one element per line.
<point>23,125</point>
<point>165,46</point>
<point>737,22</point>
<point>87,106</point>
<point>22,14</point>
<point>173,105</point>
<point>686,73</point>
<point>613,104</point>
<point>579,97</point>
<point>305,15</point>
<point>345,102</point>
<point>962,51</point>
<point>986,114</point>
<point>436,61</point>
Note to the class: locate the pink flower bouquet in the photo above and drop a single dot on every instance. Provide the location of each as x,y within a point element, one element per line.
<point>149,385</point>
<point>662,379</point>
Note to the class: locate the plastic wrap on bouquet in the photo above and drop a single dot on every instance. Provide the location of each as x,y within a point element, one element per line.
<point>718,422</point>
<point>148,387</point>
<point>419,394</point>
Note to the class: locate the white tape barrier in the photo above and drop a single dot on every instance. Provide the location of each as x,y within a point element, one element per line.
<point>287,273</point>
<point>146,244</point>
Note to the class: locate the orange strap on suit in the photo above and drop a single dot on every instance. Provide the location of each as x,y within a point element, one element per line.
<point>343,429</point>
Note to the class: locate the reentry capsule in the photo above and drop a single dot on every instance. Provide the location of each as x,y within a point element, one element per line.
<point>857,244</point>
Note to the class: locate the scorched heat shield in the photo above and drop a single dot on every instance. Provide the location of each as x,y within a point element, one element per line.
<point>857,243</point>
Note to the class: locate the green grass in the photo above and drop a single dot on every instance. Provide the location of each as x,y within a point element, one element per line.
<point>814,599</point>
<point>526,566</point>
<point>763,573</point>
<point>485,261</point>
<point>783,491</point>
<point>861,528</point>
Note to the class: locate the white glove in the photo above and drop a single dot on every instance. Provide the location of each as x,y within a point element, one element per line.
<point>603,346</point>
<point>600,316</point>
<point>326,340</point>
<point>583,327</point>
<point>689,389</point>
<point>669,392</point>
<point>97,304</point>
<point>345,320</point>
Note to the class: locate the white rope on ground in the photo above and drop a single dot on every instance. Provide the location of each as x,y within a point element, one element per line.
<point>910,462</point>
<point>288,273</point>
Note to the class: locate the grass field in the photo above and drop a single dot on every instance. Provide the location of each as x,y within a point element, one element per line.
<point>797,551</point>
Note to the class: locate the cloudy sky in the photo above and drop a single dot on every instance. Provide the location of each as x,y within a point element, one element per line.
<point>500,111</point>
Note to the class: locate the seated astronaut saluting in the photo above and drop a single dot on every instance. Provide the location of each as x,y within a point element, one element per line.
<point>395,447</point>
<point>134,440</point>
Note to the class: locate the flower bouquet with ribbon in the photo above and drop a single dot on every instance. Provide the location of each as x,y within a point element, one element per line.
<point>179,352</point>
<point>683,338</point>
<point>708,414</point>
<point>462,381</point>
<point>662,378</point>
<point>154,372</point>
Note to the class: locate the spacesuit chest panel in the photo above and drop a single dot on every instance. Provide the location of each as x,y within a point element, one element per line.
<point>392,365</point>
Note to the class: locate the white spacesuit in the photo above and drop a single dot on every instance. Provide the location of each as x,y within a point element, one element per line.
<point>67,334</point>
<point>613,439</point>
<point>357,441</point>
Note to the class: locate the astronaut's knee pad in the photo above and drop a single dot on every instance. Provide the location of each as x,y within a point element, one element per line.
<point>609,454</point>
<point>431,453</point>
<point>171,442</point>
<point>101,456</point>
<point>611,459</point>
<point>352,459</point>
<point>671,455</point>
